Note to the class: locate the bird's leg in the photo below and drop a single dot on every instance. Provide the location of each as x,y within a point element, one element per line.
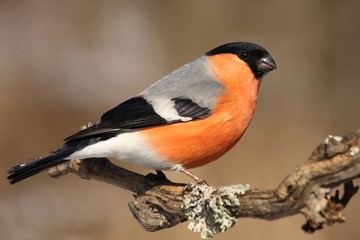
<point>199,180</point>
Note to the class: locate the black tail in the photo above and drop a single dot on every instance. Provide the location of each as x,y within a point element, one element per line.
<point>23,171</point>
<point>72,144</point>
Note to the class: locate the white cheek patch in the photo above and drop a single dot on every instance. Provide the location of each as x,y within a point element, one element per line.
<point>165,108</point>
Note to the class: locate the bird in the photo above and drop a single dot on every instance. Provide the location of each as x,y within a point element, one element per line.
<point>187,119</point>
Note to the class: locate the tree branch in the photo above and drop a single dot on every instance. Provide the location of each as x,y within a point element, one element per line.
<point>160,203</point>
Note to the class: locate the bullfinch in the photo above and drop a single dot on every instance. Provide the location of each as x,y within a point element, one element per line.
<point>185,120</point>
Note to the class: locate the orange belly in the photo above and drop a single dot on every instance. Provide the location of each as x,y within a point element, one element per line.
<point>196,143</point>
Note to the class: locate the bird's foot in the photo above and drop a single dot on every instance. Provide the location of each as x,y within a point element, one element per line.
<point>159,176</point>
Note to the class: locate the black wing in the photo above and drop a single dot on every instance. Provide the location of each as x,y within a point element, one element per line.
<point>132,114</point>
<point>187,108</point>
<point>137,113</point>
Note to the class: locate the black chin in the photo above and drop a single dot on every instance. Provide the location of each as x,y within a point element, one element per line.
<point>259,75</point>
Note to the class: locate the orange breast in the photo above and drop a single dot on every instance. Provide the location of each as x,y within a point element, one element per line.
<point>196,143</point>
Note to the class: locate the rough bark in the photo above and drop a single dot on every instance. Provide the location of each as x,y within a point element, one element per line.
<point>160,203</point>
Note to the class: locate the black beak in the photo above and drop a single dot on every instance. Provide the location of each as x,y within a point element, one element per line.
<point>266,64</point>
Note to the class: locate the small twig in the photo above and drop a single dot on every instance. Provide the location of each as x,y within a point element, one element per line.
<point>160,203</point>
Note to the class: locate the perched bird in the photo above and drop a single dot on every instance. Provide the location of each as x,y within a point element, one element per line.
<point>185,120</point>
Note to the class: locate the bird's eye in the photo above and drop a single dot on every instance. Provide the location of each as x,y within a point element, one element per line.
<point>244,55</point>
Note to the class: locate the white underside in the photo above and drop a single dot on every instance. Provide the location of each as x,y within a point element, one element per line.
<point>128,147</point>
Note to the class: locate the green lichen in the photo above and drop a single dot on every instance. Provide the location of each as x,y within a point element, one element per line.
<point>212,210</point>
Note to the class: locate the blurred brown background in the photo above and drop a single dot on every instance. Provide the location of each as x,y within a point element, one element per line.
<point>64,63</point>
